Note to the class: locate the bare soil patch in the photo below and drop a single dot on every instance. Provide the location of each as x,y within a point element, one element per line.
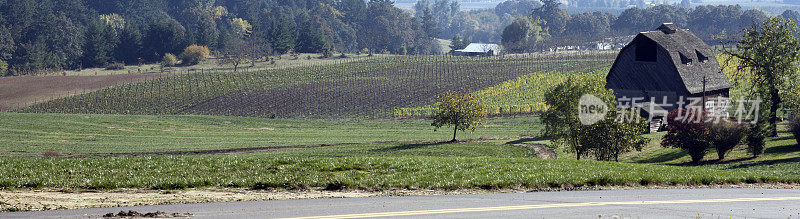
<point>542,151</point>
<point>22,91</point>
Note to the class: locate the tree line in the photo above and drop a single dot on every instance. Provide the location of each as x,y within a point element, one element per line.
<point>52,35</point>
<point>550,25</point>
<point>47,35</point>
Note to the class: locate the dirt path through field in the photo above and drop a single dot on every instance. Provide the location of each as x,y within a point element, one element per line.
<point>22,91</point>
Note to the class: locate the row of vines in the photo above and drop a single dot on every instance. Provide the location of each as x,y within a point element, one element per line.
<point>523,95</point>
<point>378,87</point>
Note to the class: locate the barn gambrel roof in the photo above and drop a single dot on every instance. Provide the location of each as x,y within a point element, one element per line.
<point>693,59</point>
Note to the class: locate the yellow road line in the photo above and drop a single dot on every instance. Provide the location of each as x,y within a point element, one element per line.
<point>527,207</point>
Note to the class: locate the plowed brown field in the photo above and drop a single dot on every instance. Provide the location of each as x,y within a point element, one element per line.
<point>22,91</point>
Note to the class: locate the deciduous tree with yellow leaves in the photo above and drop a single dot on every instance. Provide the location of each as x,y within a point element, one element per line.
<point>462,110</point>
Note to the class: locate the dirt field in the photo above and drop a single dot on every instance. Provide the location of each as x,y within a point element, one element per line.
<point>22,91</point>
<point>38,200</point>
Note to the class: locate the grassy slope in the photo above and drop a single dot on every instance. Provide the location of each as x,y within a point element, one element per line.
<point>367,164</point>
<point>405,164</point>
<point>781,157</point>
<point>34,134</point>
<point>353,171</point>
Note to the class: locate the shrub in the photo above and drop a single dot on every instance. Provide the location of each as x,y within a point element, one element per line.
<point>755,139</point>
<point>563,125</point>
<point>689,134</point>
<point>608,139</point>
<point>169,60</point>
<point>794,127</point>
<point>724,136</point>
<point>327,52</point>
<point>3,68</point>
<point>194,54</point>
<point>115,66</point>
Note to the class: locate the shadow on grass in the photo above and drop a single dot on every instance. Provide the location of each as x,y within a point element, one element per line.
<point>523,140</point>
<point>788,137</point>
<point>410,146</point>
<point>712,162</point>
<point>765,163</point>
<point>783,149</point>
<point>664,157</point>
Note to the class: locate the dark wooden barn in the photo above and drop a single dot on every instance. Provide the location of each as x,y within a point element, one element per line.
<point>668,62</point>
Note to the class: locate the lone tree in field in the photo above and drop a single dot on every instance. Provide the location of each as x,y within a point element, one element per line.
<point>767,57</point>
<point>461,110</point>
<point>239,51</point>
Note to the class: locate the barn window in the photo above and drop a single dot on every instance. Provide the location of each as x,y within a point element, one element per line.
<point>700,56</point>
<point>685,60</point>
<point>646,51</point>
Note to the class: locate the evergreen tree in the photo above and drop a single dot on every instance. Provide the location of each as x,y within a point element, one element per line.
<point>129,50</point>
<point>428,24</point>
<point>311,39</point>
<point>7,45</point>
<point>201,28</point>
<point>101,41</point>
<point>165,36</point>
<point>282,35</point>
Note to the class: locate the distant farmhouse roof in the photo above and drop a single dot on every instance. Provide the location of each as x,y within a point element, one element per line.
<point>691,56</point>
<point>481,48</point>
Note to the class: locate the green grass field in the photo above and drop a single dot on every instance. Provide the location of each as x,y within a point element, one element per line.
<point>412,160</point>
<point>781,157</point>
<point>35,134</point>
<point>271,170</point>
<point>331,127</point>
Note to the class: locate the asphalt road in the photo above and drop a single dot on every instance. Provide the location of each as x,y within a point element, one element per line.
<point>651,203</point>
